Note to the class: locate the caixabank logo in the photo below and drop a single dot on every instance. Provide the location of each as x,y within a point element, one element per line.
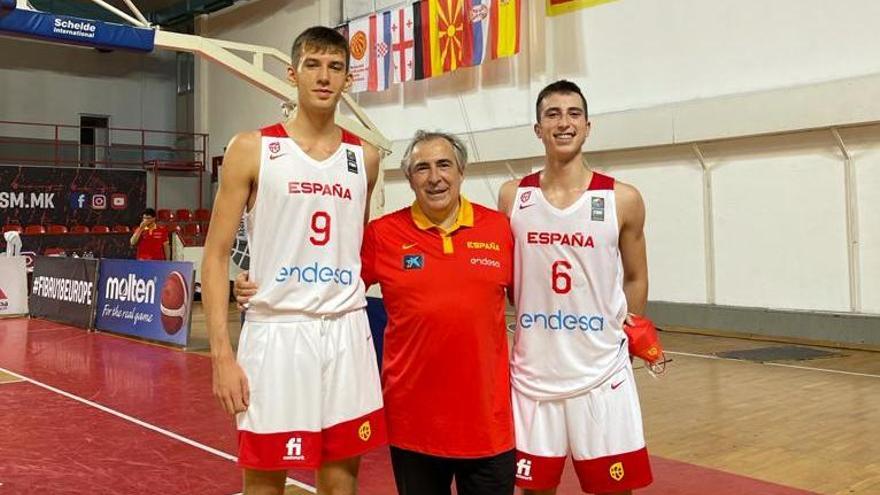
<point>148,299</point>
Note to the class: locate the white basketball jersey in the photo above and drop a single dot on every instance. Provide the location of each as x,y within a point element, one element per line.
<point>305,230</point>
<point>568,287</point>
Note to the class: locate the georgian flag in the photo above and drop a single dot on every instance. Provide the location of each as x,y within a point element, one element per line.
<point>403,44</point>
<point>380,52</point>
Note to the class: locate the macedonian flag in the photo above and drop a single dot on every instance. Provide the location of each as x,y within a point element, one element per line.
<point>558,7</point>
<point>447,35</point>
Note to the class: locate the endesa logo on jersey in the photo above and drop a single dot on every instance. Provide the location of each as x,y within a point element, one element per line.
<point>577,239</point>
<point>336,190</point>
<point>562,321</point>
<point>315,274</point>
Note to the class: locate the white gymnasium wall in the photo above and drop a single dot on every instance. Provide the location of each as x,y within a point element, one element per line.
<point>864,144</point>
<point>780,223</point>
<point>670,181</point>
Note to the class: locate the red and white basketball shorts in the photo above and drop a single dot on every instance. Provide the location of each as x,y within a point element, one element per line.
<point>315,392</point>
<point>601,429</point>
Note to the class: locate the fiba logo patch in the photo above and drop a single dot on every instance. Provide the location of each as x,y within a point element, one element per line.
<point>616,471</point>
<point>274,147</point>
<point>175,296</point>
<point>524,469</point>
<point>524,197</point>
<point>294,449</point>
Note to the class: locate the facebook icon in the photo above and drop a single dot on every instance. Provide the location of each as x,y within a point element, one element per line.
<point>78,200</point>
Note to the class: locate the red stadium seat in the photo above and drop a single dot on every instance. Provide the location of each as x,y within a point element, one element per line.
<point>13,226</point>
<point>57,229</point>
<point>164,215</point>
<point>204,227</point>
<point>100,229</point>
<point>191,229</point>
<point>183,215</point>
<point>171,227</point>
<point>120,228</point>
<point>79,229</point>
<point>202,215</point>
<point>35,229</point>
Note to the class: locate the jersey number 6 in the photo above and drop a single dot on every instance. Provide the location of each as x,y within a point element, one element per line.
<point>561,281</point>
<point>320,228</point>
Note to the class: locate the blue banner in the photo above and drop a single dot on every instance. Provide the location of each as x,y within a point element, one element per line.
<point>146,299</point>
<point>67,29</point>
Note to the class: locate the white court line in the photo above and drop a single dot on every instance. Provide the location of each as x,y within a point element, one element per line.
<point>162,431</point>
<point>781,365</point>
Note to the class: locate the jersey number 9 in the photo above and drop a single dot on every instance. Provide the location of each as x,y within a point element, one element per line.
<point>320,228</point>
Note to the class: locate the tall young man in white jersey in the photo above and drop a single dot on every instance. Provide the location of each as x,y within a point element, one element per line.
<point>580,267</point>
<point>305,384</point>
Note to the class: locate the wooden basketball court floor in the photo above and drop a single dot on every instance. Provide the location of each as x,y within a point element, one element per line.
<point>93,413</point>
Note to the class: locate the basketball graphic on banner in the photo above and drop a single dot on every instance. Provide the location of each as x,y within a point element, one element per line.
<point>175,299</point>
<point>358,45</point>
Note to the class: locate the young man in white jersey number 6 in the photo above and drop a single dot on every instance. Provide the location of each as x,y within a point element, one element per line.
<point>305,385</point>
<point>580,267</point>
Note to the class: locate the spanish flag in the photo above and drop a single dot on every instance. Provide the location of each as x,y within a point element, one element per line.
<point>504,20</point>
<point>559,7</point>
<point>447,35</point>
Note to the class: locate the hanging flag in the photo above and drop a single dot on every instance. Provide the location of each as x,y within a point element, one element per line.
<point>403,44</point>
<point>479,15</point>
<point>343,30</point>
<point>380,52</point>
<point>422,33</point>
<point>359,60</point>
<point>504,20</point>
<point>450,38</point>
<point>558,7</point>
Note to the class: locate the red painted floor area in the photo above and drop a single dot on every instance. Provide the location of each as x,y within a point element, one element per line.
<point>53,444</point>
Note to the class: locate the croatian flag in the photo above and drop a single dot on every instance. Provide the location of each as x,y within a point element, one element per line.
<point>404,43</point>
<point>479,16</point>
<point>380,52</point>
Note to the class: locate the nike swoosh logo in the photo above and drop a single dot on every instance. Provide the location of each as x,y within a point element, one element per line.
<point>523,207</point>
<point>408,246</point>
<point>272,157</point>
<point>615,385</point>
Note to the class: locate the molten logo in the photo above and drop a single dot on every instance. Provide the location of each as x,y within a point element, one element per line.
<point>616,471</point>
<point>131,289</point>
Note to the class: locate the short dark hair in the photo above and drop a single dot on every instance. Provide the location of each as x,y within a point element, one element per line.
<point>560,86</point>
<point>149,212</point>
<point>319,38</point>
